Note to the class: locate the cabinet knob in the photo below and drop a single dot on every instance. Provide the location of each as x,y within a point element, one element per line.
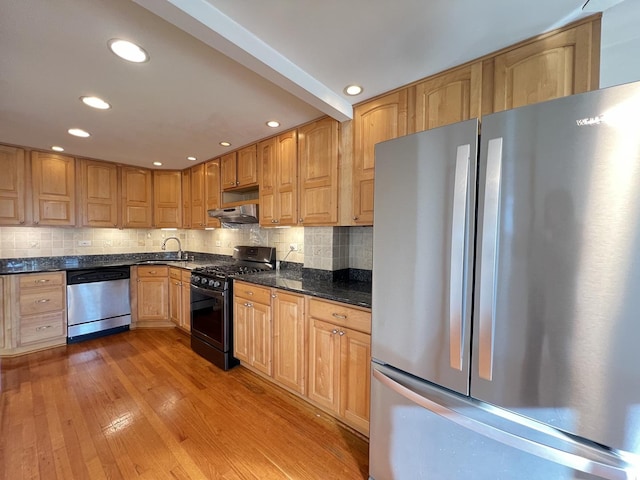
<point>43,300</point>
<point>340,333</point>
<point>355,218</point>
<point>273,295</point>
<point>237,183</point>
<point>249,305</point>
<point>301,220</point>
<point>334,331</point>
<point>249,292</point>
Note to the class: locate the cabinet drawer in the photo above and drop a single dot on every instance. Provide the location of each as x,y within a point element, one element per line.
<point>153,271</point>
<point>185,276</point>
<point>249,291</point>
<point>41,300</point>
<point>42,327</point>
<point>41,280</point>
<point>175,273</point>
<point>340,314</point>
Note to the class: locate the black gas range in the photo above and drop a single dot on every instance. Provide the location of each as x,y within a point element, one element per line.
<point>212,304</point>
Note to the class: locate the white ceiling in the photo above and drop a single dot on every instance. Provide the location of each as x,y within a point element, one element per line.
<point>283,59</point>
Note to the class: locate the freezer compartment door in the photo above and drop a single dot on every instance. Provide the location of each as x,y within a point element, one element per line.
<point>419,431</point>
<point>424,212</point>
<point>558,265</point>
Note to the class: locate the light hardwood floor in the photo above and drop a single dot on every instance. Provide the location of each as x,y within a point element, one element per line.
<point>142,405</point>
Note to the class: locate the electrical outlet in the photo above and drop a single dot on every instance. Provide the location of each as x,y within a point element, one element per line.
<point>293,247</point>
<point>84,243</point>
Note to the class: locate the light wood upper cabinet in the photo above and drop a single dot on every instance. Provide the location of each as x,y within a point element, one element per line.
<point>378,120</point>
<point>448,98</point>
<point>99,198</point>
<point>289,340</point>
<point>318,167</point>
<point>167,198</point>
<point>556,65</point>
<point>240,169</point>
<point>198,206</point>
<point>278,161</point>
<point>12,186</point>
<point>53,183</point>
<point>186,198</point>
<point>137,197</point>
<point>212,191</point>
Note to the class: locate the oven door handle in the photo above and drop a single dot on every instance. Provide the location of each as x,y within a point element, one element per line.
<point>209,293</point>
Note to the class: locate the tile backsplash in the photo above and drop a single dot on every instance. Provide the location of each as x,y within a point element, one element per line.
<point>325,248</point>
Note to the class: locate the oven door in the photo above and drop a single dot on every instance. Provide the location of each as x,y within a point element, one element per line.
<point>209,313</point>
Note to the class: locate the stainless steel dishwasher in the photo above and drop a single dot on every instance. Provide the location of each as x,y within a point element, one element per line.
<point>98,302</point>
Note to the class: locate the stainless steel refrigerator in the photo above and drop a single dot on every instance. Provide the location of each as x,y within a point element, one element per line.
<point>506,295</point>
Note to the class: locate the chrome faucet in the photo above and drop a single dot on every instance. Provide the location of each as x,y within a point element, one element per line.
<point>164,245</point>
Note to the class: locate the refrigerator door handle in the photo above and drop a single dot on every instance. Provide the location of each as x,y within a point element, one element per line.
<point>488,259</point>
<point>581,463</point>
<point>456,275</point>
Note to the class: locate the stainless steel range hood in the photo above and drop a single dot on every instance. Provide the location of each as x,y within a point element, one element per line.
<point>247,213</point>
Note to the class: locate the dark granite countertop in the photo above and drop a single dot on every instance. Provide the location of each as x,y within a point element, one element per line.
<point>54,264</point>
<point>351,292</point>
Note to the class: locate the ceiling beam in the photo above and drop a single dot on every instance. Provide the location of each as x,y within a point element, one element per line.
<point>209,25</point>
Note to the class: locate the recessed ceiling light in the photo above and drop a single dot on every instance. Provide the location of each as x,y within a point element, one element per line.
<point>353,90</point>
<point>273,124</point>
<point>78,132</point>
<point>95,102</point>
<point>157,164</point>
<point>193,159</point>
<point>56,148</point>
<point>225,144</point>
<point>128,51</point>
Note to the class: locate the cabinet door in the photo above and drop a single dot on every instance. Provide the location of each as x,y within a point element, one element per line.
<point>197,196</point>
<point>561,64</point>
<point>247,167</point>
<point>267,162</point>
<point>324,364</point>
<point>355,378</point>
<point>153,301</point>
<point>261,342</point>
<point>287,177</point>
<point>12,186</point>
<point>373,122</point>
<point>167,199</point>
<point>99,206</point>
<point>242,314</point>
<point>289,352</point>
<point>185,292</point>
<point>212,191</point>
<point>136,197</point>
<point>448,98</point>
<point>53,178</point>
<point>229,173</point>
<point>186,198</point>
<point>318,167</point>
<point>175,296</point>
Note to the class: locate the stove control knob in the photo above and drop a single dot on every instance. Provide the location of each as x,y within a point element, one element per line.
<point>195,279</point>
<point>212,283</point>
<point>216,284</point>
<point>203,281</point>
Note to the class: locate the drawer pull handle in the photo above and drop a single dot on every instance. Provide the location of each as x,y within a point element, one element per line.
<point>249,292</point>
<point>42,280</point>
<point>43,300</point>
<point>341,317</point>
<point>152,272</point>
<point>44,327</point>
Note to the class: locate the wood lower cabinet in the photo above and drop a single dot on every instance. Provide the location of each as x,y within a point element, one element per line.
<point>99,198</point>
<point>289,340</point>
<point>180,298</point>
<point>252,326</point>
<point>339,360</point>
<point>35,312</point>
<point>150,299</point>
<point>318,168</point>
<point>376,121</point>
<point>12,186</point>
<point>53,179</point>
<point>137,197</point>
